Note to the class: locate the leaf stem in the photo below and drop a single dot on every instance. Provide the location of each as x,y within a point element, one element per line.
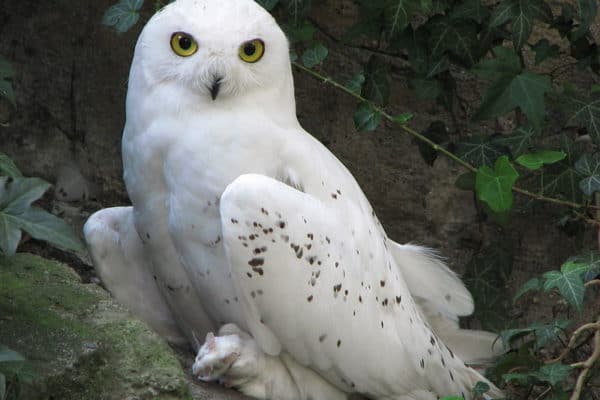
<point>431,143</point>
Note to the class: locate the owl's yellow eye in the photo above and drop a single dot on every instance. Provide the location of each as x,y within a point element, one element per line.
<point>183,44</point>
<point>252,50</point>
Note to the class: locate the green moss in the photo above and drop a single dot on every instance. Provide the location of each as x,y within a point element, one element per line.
<point>80,344</point>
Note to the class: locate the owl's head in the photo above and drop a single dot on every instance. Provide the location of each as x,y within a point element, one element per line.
<point>212,50</point>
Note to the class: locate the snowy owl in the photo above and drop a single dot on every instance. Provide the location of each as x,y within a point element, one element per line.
<point>242,221</point>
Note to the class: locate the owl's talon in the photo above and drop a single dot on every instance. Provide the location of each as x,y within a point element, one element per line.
<point>216,357</point>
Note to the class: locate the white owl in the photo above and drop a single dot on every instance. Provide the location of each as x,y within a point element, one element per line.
<point>241,217</point>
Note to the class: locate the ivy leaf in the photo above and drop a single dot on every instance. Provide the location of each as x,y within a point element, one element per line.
<point>314,55</point>
<point>355,84</point>
<point>437,132</point>
<point>427,88</point>
<point>8,355</point>
<point>366,118</point>
<point>522,24</point>
<point>568,282</point>
<point>480,150</point>
<point>545,333</point>
<point>16,214</point>
<point>6,74</point>
<point>553,373</point>
<point>494,186</point>
<point>544,50</point>
<point>589,167</point>
<point>296,9</point>
<point>508,335</point>
<point>504,12</point>
<point>510,89</point>
<point>480,388</point>
<point>486,277</point>
<point>519,141</point>
<point>8,167</point>
<point>300,33</point>
<point>452,398</point>
<point>536,160</point>
<point>397,15</point>
<point>455,37</point>
<point>520,377</point>
<point>268,4</point>
<point>527,92</point>
<point>377,81</point>
<point>470,9</point>
<point>592,260</point>
<point>584,112</point>
<point>587,13</point>
<point>532,284</point>
<point>123,15</point>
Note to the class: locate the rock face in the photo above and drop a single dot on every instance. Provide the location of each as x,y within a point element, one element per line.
<point>80,344</point>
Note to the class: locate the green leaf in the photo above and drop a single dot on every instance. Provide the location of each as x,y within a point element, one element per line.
<point>366,118</point>
<point>268,4</point>
<point>479,150</point>
<point>521,378</point>
<point>438,66</point>
<point>8,167</point>
<point>470,9</point>
<point>584,112</point>
<point>536,160</point>
<point>553,373</point>
<point>397,15</point>
<point>486,278</point>
<point>545,333</point>
<point>544,50</point>
<point>511,88</point>
<point>532,284</point>
<point>568,282</point>
<point>437,132</point>
<point>480,388</point>
<point>8,355</point>
<point>508,335</point>
<point>494,186</point>
<point>403,118</point>
<point>16,214</point>
<point>504,12</point>
<point>356,83</point>
<point>123,15</point>
<point>527,92</point>
<point>588,166</point>
<point>302,32</point>
<point>427,88</point>
<point>314,55</point>
<point>505,64</point>
<point>6,75</point>
<point>587,13</point>
<point>2,386</point>
<point>17,194</point>
<point>377,81</point>
<point>521,24</point>
<point>465,181</point>
<point>590,258</point>
<point>42,225</point>
<point>519,141</point>
<point>296,9</point>
<point>458,39</point>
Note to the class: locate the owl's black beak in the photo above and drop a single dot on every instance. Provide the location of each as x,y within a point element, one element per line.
<point>214,89</point>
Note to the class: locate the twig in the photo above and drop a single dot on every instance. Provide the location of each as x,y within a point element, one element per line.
<point>586,365</point>
<point>434,145</point>
<point>574,336</point>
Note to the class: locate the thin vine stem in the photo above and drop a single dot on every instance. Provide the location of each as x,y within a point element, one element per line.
<point>432,144</point>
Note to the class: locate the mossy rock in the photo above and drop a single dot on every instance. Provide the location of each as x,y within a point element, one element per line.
<point>80,344</point>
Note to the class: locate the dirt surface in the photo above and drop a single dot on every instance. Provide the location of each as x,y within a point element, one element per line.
<point>71,75</point>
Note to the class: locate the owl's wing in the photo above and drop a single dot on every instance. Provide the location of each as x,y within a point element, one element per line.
<point>316,279</point>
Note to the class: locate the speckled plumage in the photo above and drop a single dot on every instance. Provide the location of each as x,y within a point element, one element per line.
<point>240,216</point>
